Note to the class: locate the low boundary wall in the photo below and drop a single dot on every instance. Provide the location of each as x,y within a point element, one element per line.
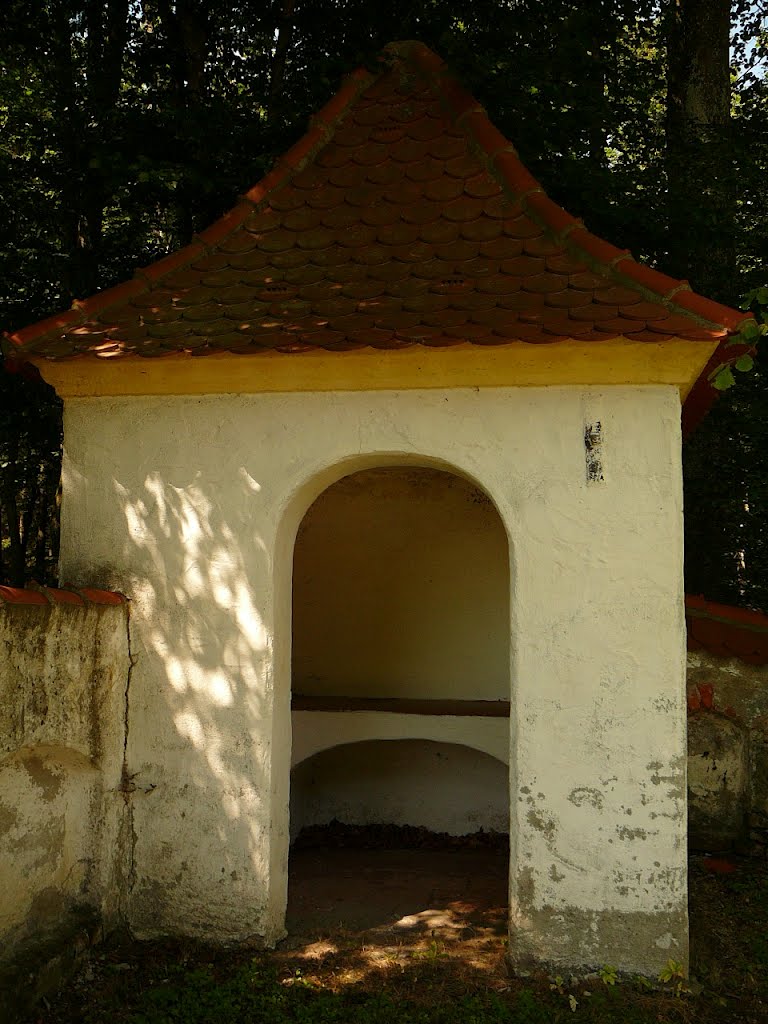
<point>64,820</point>
<point>727,728</point>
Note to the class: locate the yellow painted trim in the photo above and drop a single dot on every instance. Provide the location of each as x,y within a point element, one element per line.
<point>612,362</point>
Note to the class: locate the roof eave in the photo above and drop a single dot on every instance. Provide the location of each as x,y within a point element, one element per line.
<point>674,362</point>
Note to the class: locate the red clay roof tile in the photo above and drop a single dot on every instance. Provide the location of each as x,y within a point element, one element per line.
<point>593,312</point>
<point>646,312</point>
<point>550,214</point>
<point>522,227</point>
<point>616,295</point>
<point>619,325</point>
<point>522,303</point>
<point>569,298</point>
<point>56,596</point>
<point>543,282</point>
<point>45,596</point>
<point>542,245</point>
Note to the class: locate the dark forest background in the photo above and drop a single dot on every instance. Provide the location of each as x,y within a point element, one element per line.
<point>127,125</point>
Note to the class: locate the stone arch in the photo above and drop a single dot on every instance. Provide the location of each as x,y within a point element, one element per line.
<point>322,475</point>
<point>490,736</point>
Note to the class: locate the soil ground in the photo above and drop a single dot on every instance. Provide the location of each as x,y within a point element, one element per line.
<point>412,927</point>
<point>393,905</point>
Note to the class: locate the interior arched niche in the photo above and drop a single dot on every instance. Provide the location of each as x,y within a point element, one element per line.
<point>444,787</point>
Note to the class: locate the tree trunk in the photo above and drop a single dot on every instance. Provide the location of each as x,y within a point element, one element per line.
<point>279,59</point>
<point>3,577</point>
<point>186,27</point>
<point>47,521</point>
<point>698,120</point>
<point>84,126</point>
<point>16,570</point>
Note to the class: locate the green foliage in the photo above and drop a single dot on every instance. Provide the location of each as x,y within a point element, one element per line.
<point>723,378</point>
<point>30,455</point>
<point>726,478</point>
<point>258,996</point>
<point>172,993</point>
<point>673,974</point>
<point>759,953</point>
<point>608,975</point>
<point>434,951</point>
<point>530,1010</point>
<point>672,970</point>
<point>642,983</point>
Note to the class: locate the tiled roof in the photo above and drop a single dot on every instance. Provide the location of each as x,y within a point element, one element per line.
<point>402,217</point>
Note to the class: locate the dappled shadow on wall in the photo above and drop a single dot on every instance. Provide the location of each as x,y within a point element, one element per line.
<point>199,731</point>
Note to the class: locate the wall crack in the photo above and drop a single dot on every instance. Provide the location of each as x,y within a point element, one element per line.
<point>127,785</point>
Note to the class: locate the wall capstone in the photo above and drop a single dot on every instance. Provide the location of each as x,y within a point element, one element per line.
<point>41,596</point>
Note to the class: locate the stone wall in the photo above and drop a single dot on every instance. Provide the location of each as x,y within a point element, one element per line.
<point>727,728</point>
<point>64,670</point>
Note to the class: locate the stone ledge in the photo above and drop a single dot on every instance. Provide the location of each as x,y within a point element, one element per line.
<point>403,706</point>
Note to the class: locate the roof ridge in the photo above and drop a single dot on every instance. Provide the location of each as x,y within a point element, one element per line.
<point>470,115</point>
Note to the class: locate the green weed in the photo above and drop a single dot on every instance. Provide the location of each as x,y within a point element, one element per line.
<point>608,975</point>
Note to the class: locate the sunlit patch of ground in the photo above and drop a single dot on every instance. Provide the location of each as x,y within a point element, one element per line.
<point>352,911</point>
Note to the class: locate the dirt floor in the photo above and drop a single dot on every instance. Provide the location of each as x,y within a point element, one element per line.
<point>390,905</point>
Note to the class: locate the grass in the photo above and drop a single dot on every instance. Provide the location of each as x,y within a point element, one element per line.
<point>175,983</point>
<point>194,993</point>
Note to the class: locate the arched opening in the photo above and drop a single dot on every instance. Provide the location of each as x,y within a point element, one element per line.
<point>400,662</point>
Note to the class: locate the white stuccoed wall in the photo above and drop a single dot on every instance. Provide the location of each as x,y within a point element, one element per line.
<point>315,731</point>
<point>439,800</point>
<point>191,505</point>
